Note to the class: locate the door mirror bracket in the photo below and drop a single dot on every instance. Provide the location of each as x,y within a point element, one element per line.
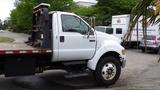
<point>88,33</point>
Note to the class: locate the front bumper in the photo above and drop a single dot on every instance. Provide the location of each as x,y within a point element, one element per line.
<point>123,62</point>
<point>149,47</point>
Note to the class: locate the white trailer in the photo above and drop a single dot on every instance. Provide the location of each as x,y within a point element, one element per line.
<point>120,25</point>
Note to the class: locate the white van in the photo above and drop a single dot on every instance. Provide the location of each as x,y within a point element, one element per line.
<point>110,30</point>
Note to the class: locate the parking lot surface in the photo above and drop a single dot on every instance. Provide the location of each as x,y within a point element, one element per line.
<point>142,72</point>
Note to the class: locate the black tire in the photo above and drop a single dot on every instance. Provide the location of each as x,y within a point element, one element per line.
<point>143,50</point>
<point>98,72</point>
<point>158,51</point>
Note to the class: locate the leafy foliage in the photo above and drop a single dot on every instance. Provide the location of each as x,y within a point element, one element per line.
<point>21,17</point>
<point>143,8</point>
<point>107,8</point>
<point>84,11</point>
<point>1,24</point>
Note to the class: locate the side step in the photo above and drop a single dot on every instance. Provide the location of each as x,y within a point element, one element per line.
<point>84,73</point>
<point>74,75</point>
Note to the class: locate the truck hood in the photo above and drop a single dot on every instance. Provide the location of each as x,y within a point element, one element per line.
<point>104,36</point>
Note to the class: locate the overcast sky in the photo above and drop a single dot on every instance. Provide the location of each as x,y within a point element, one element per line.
<point>7,5</point>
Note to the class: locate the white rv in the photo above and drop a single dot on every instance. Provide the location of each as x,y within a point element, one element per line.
<point>120,25</point>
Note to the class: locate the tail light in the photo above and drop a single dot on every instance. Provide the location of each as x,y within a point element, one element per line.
<point>155,41</point>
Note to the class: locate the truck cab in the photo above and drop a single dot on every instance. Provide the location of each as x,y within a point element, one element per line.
<point>65,41</point>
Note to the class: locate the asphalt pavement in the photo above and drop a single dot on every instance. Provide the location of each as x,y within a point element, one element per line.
<point>19,37</point>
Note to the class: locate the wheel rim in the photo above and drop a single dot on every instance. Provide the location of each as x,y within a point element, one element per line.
<point>109,71</point>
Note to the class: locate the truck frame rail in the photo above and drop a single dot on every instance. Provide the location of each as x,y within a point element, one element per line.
<point>15,52</point>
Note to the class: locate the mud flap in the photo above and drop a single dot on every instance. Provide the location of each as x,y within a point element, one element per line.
<point>19,67</point>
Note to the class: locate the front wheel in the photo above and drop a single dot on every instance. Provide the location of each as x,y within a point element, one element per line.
<point>107,71</point>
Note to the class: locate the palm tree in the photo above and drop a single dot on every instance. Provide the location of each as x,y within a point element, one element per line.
<point>145,8</point>
<point>148,9</point>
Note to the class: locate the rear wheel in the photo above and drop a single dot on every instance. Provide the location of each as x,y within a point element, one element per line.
<point>143,49</point>
<point>158,51</point>
<point>107,71</point>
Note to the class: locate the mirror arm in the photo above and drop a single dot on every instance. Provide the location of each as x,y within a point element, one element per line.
<point>88,33</point>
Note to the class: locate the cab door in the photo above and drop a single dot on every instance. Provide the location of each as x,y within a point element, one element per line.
<point>77,40</point>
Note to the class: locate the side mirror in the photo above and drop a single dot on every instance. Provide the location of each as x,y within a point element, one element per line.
<point>84,32</point>
<point>91,32</point>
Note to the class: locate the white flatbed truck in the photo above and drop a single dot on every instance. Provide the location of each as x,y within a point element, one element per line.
<point>62,40</point>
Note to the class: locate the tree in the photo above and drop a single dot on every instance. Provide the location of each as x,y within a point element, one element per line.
<point>143,8</point>
<point>84,11</point>
<point>5,24</point>
<point>149,7</point>
<point>107,8</point>
<point>0,24</point>
<point>21,16</point>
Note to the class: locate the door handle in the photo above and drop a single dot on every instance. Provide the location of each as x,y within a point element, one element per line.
<point>62,38</point>
<point>88,37</point>
<point>92,40</point>
<point>85,36</point>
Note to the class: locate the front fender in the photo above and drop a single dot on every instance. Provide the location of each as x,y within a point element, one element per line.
<point>106,47</point>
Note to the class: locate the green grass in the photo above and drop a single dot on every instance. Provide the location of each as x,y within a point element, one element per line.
<point>6,39</point>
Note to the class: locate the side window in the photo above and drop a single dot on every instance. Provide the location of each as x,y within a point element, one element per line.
<point>109,30</point>
<point>118,30</point>
<point>73,24</point>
